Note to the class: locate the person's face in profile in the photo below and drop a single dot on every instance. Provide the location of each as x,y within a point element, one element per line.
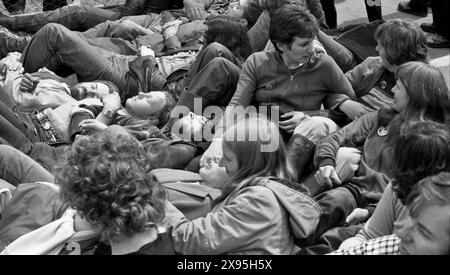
<point>90,90</point>
<point>428,233</point>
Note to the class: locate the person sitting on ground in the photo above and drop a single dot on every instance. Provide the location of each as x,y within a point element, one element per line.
<point>276,78</point>
<point>417,141</point>
<point>399,41</point>
<point>356,161</point>
<point>426,225</point>
<point>260,189</point>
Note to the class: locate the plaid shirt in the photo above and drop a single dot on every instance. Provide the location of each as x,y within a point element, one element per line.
<point>386,245</point>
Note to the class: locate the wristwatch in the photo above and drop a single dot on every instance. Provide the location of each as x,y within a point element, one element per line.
<point>109,113</point>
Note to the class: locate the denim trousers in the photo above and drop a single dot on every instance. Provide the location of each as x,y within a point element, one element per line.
<point>73,17</point>
<point>16,167</point>
<point>16,127</point>
<point>64,52</point>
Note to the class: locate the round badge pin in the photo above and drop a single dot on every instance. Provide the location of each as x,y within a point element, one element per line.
<point>383,85</point>
<point>382,131</point>
<point>46,126</point>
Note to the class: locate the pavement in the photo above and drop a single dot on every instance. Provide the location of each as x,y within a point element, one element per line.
<point>354,11</point>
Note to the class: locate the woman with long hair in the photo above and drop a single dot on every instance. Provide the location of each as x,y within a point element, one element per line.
<point>261,210</point>
<point>356,161</point>
<point>420,149</point>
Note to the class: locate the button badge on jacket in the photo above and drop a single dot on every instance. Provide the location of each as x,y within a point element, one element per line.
<point>382,131</point>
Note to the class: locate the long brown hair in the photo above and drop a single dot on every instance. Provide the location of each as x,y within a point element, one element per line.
<point>253,160</point>
<point>428,94</point>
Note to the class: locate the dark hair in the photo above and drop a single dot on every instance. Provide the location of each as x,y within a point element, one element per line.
<point>111,87</point>
<point>106,178</point>
<point>252,13</point>
<point>254,162</point>
<point>231,33</point>
<point>291,21</point>
<point>164,116</point>
<point>428,94</point>
<point>403,41</point>
<point>273,5</point>
<point>421,149</point>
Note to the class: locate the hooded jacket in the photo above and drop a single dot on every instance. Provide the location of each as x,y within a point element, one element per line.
<point>263,218</point>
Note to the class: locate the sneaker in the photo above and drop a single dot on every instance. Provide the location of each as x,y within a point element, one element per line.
<point>428,27</point>
<point>438,41</point>
<point>12,42</point>
<point>406,8</point>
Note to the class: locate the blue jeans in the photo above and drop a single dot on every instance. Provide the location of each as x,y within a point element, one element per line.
<point>16,127</point>
<point>16,167</point>
<point>73,17</point>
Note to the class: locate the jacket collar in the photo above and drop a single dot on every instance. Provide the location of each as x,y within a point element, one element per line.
<point>128,245</point>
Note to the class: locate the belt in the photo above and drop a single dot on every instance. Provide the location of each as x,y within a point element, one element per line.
<point>45,128</point>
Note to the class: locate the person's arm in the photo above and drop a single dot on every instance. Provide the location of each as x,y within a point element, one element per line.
<point>380,224</point>
<point>352,135</point>
<point>259,33</point>
<point>231,227</point>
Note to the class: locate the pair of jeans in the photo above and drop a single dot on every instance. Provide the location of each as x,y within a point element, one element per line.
<point>17,168</point>
<point>60,49</point>
<point>213,77</point>
<point>73,17</point>
<point>19,5</point>
<point>16,128</point>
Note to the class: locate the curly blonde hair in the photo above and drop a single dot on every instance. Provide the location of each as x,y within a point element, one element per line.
<point>106,177</point>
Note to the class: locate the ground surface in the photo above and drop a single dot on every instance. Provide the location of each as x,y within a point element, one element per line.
<point>349,12</point>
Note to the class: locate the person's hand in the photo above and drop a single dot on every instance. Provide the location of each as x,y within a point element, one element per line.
<point>351,242</point>
<point>357,216</point>
<point>28,83</point>
<point>111,101</point>
<point>318,47</point>
<point>354,109</point>
<point>89,126</point>
<point>293,119</point>
<point>213,175</point>
<point>171,28</point>
<point>212,154</point>
<point>327,176</point>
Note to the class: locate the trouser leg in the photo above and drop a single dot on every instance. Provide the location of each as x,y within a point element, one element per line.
<point>73,17</point>
<point>329,10</point>
<point>16,167</point>
<point>441,13</point>
<point>373,9</point>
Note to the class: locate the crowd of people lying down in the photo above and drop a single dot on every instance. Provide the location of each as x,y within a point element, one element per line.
<point>220,127</point>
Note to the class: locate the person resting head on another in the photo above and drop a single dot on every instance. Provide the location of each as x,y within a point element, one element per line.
<point>259,211</point>
<point>427,227</point>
